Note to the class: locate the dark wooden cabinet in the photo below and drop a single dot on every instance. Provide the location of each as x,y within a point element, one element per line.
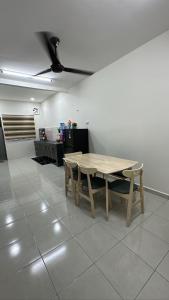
<point>50,149</point>
<point>76,140</point>
<point>3,155</point>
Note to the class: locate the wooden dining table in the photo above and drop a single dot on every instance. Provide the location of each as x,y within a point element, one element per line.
<point>104,164</point>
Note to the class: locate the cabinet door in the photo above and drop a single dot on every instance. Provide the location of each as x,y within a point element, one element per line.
<point>36,149</point>
<point>81,140</point>
<point>53,152</point>
<point>41,149</point>
<point>3,155</point>
<point>68,138</point>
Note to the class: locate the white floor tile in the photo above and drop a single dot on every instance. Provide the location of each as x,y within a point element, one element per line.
<point>152,202</point>
<point>18,255</point>
<point>11,215</point>
<point>49,237</point>
<point>34,207</point>
<point>126,271</point>
<point>31,283</point>
<point>158,226</point>
<point>38,220</point>
<point>157,288</point>
<point>96,241</point>
<point>91,285</point>
<point>78,222</point>
<point>163,268</point>
<point>163,211</point>
<point>148,246</point>
<point>66,263</point>
<point>14,232</point>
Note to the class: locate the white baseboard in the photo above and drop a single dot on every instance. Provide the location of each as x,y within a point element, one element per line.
<point>156,192</point>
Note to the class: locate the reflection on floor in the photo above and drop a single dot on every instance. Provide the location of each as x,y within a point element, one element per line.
<point>50,249</point>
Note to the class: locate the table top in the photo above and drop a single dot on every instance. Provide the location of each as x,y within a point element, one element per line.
<point>103,163</point>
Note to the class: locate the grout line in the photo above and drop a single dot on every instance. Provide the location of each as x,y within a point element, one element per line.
<point>55,247</point>
<point>76,278</point>
<point>142,259</point>
<point>165,218</point>
<point>144,285</point>
<point>109,281</point>
<point>155,271</point>
<point>155,233</point>
<point>50,278</point>
<point>92,263</point>
<point>162,276</point>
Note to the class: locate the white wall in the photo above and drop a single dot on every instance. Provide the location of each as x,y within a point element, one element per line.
<point>127,104</point>
<point>17,149</point>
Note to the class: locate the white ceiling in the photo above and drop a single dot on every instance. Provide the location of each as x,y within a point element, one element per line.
<point>93,33</point>
<point>17,93</point>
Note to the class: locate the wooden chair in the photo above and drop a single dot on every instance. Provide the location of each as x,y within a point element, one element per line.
<point>73,178</point>
<point>89,186</point>
<point>67,171</point>
<point>127,189</point>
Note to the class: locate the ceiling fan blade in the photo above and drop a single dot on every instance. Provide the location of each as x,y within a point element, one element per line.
<point>45,40</point>
<point>44,72</point>
<point>76,71</point>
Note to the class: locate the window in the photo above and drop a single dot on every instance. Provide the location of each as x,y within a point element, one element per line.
<point>18,127</point>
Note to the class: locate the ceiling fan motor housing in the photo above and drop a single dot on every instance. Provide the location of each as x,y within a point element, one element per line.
<point>57,68</point>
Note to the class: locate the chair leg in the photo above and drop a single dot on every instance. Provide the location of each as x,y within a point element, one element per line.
<point>134,196</point>
<point>142,200</point>
<point>74,191</point>
<point>66,181</point>
<point>78,195</point>
<point>92,208</point>
<point>92,204</point>
<point>110,200</point>
<point>129,209</point>
<point>107,200</point>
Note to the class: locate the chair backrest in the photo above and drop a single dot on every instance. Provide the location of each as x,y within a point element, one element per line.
<point>67,155</point>
<point>134,172</point>
<point>70,165</point>
<point>87,171</point>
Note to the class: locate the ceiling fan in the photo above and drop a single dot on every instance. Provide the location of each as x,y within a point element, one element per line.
<point>50,44</point>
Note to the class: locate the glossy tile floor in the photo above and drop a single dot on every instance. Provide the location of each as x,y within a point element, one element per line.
<point>50,249</point>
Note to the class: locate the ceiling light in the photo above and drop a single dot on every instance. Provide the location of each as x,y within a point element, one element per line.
<point>32,99</point>
<point>7,72</point>
<point>42,78</point>
<point>13,73</point>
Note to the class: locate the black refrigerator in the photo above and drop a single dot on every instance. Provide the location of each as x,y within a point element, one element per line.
<point>75,140</point>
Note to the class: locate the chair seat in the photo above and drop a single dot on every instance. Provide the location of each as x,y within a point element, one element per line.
<point>121,186</point>
<point>96,183</point>
<point>75,174</point>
